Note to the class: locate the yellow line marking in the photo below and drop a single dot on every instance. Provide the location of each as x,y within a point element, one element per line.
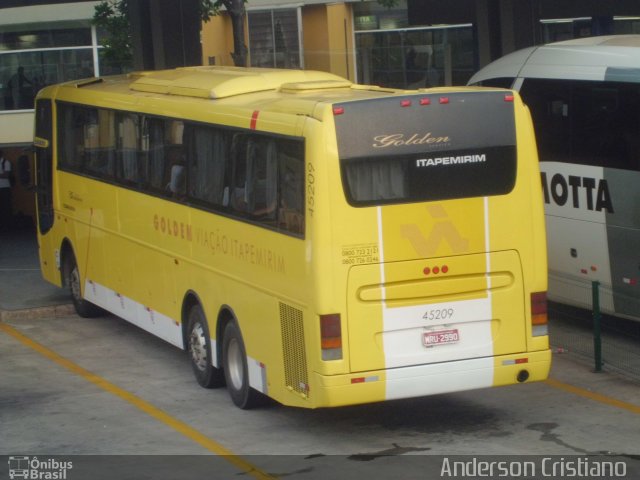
<point>138,402</point>
<point>597,397</point>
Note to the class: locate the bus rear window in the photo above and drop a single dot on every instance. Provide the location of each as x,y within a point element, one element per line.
<point>439,176</point>
<point>427,147</point>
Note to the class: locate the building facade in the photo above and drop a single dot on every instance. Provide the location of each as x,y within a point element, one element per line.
<point>39,45</point>
<point>416,43</point>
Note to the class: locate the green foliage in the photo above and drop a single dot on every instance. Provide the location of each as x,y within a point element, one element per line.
<point>112,16</point>
<point>211,8</point>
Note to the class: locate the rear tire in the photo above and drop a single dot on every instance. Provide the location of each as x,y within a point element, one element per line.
<point>236,371</point>
<point>199,349</point>
<point>71,276</point>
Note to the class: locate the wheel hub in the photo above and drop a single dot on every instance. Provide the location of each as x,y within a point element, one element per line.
<point>198,347</point>
<point>235,364</point>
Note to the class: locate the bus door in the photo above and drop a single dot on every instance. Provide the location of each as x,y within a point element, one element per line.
<point>427,173</point>
<point>43,143</point>
<point>44,165</point>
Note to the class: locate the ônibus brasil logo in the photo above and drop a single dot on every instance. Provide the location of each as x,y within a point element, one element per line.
<point>33,468</point>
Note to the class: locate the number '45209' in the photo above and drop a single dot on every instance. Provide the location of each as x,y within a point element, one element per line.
<point>439,314</point>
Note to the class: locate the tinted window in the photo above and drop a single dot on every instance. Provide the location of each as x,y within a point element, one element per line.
<point>75,124</point>
<point>127,137</point>
<point>251,176</point>
<point>208,163</point>
<point>503,82</point>
<point>590,123</point>
<point>154,152</point>
<point>428,147</point>
<point>267,181</point>
<point>441,176</point>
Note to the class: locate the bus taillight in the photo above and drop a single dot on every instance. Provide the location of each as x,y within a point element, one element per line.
<point>539,317</point>
<point>331,336</point>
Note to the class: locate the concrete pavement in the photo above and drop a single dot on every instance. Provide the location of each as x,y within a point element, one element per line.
<point>101,386</point>
<point>23,291</point>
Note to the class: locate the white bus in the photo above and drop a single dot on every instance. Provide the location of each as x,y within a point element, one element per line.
<point>584,97</point>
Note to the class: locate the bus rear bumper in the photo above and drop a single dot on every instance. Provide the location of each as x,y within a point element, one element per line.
<point>431,379</point>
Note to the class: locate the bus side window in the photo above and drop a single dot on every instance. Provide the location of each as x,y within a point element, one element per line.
<point>207,160</point>
<point>500,82</point>
<point>291,186</point>
<point>267,181</point>
<point>261,182</point>
<point>71,132</point>
<point>100,144</point>
<point>127,133</point>
<point>585,122</point>
<point>177,184</point>
<point>153,153</point>
<point>550,104</point>
<point>236,197</point>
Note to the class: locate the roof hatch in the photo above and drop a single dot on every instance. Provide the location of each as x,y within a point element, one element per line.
<point>222,82</point>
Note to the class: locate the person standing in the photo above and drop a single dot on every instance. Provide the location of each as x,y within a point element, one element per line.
<point>21,90</point>
<point>5,193</point>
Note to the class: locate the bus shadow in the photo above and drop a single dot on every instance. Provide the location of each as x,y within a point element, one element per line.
<point>437,414</point>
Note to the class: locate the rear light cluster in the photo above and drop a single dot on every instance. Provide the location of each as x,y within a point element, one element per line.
<point>331,336</point>
<point>539,317</point>
<point>423,101</point>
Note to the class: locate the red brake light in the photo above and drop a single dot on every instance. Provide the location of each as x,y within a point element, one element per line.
<point>338,110</point>
<point>331,336</point>
<point>539,308</point>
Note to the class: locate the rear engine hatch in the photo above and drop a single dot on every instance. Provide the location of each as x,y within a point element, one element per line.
<point>436,310</point>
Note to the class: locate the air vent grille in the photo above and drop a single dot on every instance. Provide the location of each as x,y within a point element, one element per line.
<point>294,352</point>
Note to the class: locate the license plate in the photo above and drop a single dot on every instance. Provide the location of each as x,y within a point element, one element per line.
<point>440,337</point>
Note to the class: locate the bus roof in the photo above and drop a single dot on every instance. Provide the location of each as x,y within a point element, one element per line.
<point>295,92</point>
<point>284,91</point>
<point>615,57</point>
<point>223,82</point>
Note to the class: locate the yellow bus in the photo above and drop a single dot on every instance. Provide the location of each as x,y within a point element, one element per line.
<point>303,238</point>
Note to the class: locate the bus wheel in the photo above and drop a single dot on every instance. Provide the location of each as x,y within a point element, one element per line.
<point>199,347</point>
<point>71,277</point>
<point>236,371</point>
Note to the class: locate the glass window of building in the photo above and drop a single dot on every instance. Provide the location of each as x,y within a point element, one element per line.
<point>626,25</point>
<point>389,53</point>
<point>33,56</point>
<point>274,38</point>
<point>559,29</point>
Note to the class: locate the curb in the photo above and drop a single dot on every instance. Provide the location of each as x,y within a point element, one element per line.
<point>37,312</point>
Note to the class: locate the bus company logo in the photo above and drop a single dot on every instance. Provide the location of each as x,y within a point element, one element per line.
<point>458,160</point>
<point>443,232</point>
<point>401,140</point>
<point>36,469</point>
<point>573,188</point>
